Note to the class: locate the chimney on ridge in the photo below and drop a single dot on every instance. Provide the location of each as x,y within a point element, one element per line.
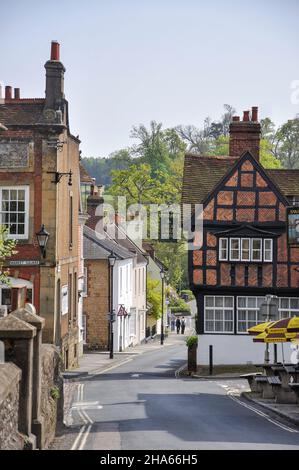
<point>54,79</point>
<point>245,135</point>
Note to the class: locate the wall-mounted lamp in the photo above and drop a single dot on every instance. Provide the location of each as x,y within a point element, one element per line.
<point>42,239</point>
<point>58,176</point>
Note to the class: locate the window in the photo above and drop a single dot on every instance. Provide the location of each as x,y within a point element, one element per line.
<point>294,200</point>
<point>248,313</point>
<point>219,314</point>
<point>288,307</point>
<point>268,243</point>
<point>245,249</point>
<point>256,249</point>
<point>223,249</point>
<point>235,249</point>
<point>71,222</point>
<point>14,204</point>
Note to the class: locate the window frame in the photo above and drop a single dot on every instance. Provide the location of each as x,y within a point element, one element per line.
<point>26,189</point>
<point>221,240</point>
<point>252,250</point>
<point>230,249</point>
<point>224,309</point>
<point>264,250</point>
<point>249,249</point>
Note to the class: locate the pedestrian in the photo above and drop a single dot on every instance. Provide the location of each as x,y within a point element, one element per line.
<point>172,322</point>
<point>178,325</point>
<point>183,325</point>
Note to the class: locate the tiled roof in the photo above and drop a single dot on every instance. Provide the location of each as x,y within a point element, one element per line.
<point>85,176</point>
<point>21,112</point>
<point>286,180</point>
<point>95,248</point>
<point>202,174</point>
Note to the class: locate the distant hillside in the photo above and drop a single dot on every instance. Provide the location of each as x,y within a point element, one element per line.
<point>100,168</point>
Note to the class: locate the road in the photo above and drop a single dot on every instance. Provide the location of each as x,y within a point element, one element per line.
<point>142,405</point>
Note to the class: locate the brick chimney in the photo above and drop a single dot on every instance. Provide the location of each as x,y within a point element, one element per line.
<point>93,201</point>
<point>54,79</point>
<point>245,135</point>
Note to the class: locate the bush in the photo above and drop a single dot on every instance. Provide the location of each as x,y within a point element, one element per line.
<point>187,294</point>
<point>54,392</point>
<point>192,341</point>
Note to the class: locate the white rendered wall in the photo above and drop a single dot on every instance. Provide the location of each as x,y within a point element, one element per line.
<point>236,349</point>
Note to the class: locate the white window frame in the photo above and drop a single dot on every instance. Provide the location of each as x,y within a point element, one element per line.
<point>249,249</point>
<point>289,311</point>
<point>230,249</point>
<point>226,249</point>
<point>247,309</point>
<point>24,236</point>
<point>224,309</point>
<point>261,250</point>
<point>271,250</point>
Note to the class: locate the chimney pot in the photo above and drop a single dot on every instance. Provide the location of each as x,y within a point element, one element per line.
<point>8,92</point>
<point>236,118</point>
<point>254,113</point>
<point>17,93</point>
<point>246,116</point>
<point>55,51</point>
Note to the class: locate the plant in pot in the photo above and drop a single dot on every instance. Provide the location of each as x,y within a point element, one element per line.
<point>192,343</point>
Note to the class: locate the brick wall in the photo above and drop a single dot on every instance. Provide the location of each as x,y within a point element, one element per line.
<point>96,304</point>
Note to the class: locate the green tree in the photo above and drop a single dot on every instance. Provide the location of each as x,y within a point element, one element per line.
<point>286,144</point>
<point>154,297</point>
<point>7,249</point>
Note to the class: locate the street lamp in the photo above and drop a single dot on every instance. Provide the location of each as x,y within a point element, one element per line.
<point>111,315</point>
<point>162,274</point>
<point>269,310</point>
<point>42,239</point>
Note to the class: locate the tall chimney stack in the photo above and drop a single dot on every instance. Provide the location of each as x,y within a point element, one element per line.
<point>17,94</point>
<point>245,135</point>
<point>54,79</point>
<point>8,93</point>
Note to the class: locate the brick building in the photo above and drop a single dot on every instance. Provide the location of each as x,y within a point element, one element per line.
<point>244,254</point>
<point>37,154</point>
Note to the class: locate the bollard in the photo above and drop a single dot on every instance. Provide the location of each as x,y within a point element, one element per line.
<point>275,353</point>
<point>211,359</point>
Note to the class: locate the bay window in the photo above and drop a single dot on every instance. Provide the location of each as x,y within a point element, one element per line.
<point>246,249</point>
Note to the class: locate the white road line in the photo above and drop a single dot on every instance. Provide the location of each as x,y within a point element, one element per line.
<point>82,430</point>
<point>263,415</point>
<point>109,368</point>
<point>83,442</point>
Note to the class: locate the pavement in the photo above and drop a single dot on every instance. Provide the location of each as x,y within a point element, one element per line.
<point>141,403</point>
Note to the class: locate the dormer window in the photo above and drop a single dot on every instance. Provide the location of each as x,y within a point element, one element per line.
<point>253,250</point>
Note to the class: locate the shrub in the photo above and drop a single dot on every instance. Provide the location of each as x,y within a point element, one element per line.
<point>54,392</point>
<point>192,341</point>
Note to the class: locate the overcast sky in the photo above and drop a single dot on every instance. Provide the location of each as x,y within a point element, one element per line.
<point>174,61</point>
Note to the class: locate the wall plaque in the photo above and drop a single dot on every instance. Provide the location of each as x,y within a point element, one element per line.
<point>14,154</point>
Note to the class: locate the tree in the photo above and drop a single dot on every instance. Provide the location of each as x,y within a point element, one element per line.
<point>154,297</point>
<point>7,249</point>
<point>286,144</point>
<point>100,168</point>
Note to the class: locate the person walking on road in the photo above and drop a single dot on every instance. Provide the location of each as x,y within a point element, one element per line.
<point>178,325</point>
<point>183,325</point>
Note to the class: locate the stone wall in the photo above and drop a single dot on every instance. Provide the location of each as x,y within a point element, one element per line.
<point>52,392</point>
<point>10,376</point>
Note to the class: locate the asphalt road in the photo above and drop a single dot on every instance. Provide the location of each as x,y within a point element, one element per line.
<point>142,405</point>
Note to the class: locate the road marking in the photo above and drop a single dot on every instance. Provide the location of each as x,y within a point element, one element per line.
<point>260,413</point>
<point>108,368</point>
<point>135,375</point>
<point>83,442</point>
<point>74,446</point>
<point>79,406</point>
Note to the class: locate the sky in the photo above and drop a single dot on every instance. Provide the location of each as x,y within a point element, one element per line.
<point>173,61</point>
